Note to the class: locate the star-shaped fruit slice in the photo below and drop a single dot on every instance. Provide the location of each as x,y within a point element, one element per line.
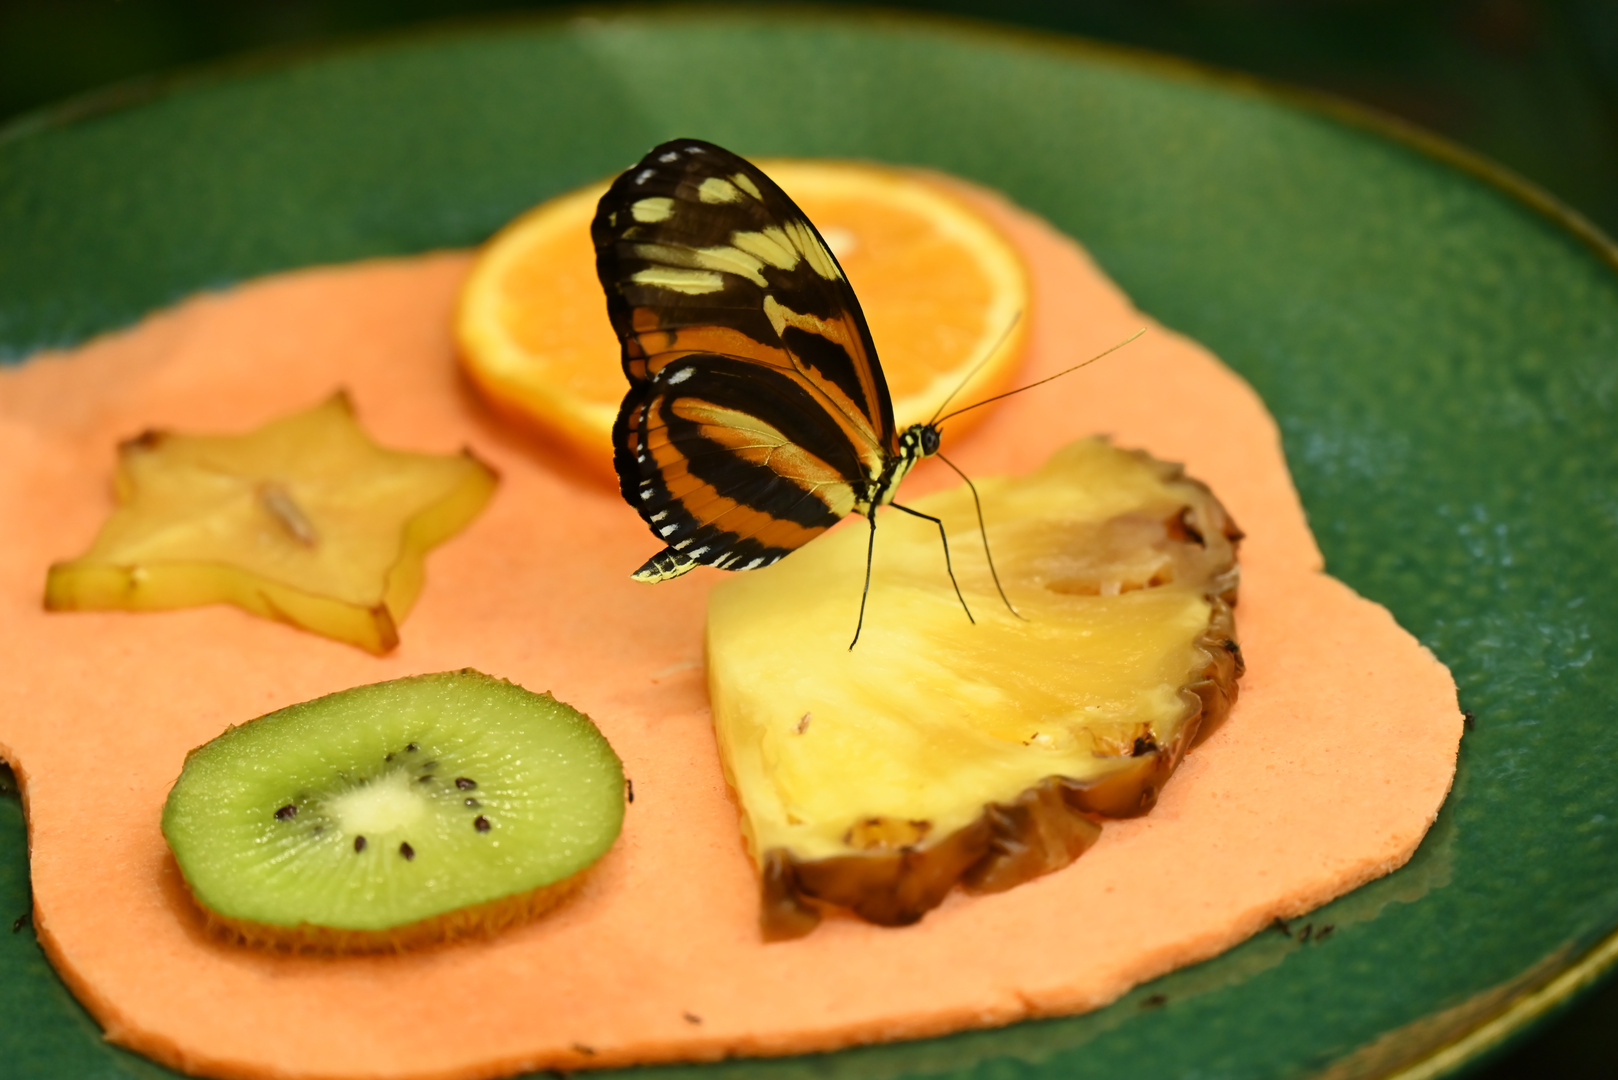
<point>305,520</point>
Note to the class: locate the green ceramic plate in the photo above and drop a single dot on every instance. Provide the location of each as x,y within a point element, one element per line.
<point>1439,344</point>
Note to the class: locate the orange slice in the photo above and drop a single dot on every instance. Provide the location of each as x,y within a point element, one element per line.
<point>942,287</point>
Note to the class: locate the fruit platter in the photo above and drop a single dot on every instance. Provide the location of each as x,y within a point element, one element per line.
<point>1402,313</point>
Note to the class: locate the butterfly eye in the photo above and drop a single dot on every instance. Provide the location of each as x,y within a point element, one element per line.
<point>929,440</point>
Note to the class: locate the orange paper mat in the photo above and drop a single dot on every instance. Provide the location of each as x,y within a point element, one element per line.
<point>1327,774</point>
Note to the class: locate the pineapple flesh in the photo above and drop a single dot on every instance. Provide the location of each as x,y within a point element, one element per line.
<point>941,752</point>
<point>305,520</point>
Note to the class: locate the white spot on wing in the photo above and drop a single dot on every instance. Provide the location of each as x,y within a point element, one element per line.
<point>646,493</point>
<point>681,375</point>
<point>667,529</point>
<point>659,516</point>
<point>699,552</point>
<point>756,562</point>
<point>668,157</point>
<point>645,175</point>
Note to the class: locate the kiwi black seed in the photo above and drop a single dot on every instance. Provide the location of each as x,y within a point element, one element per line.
<point>309,827</point>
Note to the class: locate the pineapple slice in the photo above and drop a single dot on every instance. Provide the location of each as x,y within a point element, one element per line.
<point>940,752</point>
<point>305,520</point>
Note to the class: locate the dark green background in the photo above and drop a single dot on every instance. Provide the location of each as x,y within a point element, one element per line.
<point>1532,84</point>
<point>1480,575</point>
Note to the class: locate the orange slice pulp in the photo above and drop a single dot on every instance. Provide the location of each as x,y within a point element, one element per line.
<point>943,289</point>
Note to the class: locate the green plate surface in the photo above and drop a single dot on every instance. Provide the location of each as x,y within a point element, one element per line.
<point>1441,353</point>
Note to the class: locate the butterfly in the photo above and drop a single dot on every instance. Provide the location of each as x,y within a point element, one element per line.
<point>757,415</point>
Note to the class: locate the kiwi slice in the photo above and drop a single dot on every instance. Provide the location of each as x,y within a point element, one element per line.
<point>395,814</point>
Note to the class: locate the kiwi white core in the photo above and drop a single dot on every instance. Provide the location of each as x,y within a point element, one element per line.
<point>385,806</point>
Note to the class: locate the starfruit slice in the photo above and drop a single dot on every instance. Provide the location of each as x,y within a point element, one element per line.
<point>939,752</point>
<point>305,520</point>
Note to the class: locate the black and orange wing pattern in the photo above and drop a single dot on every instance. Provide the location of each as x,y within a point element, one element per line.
<point>757,415</point>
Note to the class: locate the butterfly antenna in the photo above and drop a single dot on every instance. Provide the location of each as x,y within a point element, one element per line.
<point>977,367</point>
<point>983,530</point>
<point>1046,379</point>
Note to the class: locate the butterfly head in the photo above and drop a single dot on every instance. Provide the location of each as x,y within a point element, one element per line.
<point>915,442</point>
<point>918,441</point>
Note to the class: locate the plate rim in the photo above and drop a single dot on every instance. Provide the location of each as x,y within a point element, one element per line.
<point>140,90</point>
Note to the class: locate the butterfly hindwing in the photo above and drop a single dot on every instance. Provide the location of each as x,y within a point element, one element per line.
<point>735,465</point>
<point>757,415</point>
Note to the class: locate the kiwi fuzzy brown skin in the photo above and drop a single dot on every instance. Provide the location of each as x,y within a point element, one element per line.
<point>476,921</point>
<point>328,787</point>
<point>1052,823</point>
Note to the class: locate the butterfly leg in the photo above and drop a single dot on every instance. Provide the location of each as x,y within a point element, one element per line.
<point>944,539</point>
<point>983,530</point>
<point>870,550</point>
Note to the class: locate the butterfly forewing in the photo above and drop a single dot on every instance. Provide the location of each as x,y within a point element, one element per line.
<point>757,415</point>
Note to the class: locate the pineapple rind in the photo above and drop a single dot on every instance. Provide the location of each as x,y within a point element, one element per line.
<point>962,738</point>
